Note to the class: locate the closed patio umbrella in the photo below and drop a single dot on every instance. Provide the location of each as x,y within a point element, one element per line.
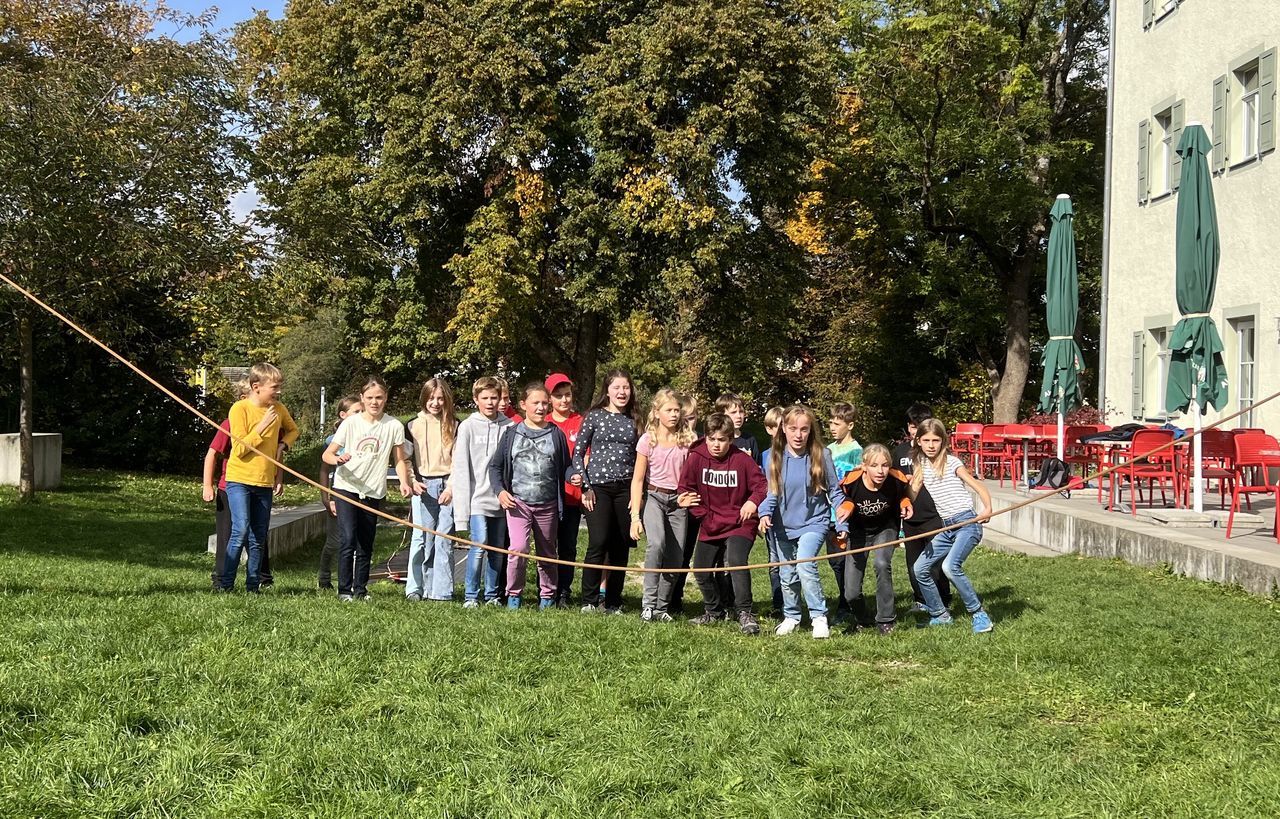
<point>1197,374</point>
<point>1060,390</point>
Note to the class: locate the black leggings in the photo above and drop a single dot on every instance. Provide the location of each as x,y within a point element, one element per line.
<point>608,541</point>
<point>732,551</point>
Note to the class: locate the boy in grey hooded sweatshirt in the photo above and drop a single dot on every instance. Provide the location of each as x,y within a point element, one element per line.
<point>475,500</point>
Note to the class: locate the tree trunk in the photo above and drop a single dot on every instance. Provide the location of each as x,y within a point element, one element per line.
<point>586,358</point>
<point>1006,398</point>
<point>26,411</point>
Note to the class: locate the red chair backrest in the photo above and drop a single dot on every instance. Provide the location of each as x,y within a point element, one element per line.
<point>1249,448</point>
<point>1019,429</point>
<point>991,434</point>
<point>1072,435</point>
<point>1249,431</point>
<point>968,429</point>
<point>1145,440</point>
<point>1217,444</point>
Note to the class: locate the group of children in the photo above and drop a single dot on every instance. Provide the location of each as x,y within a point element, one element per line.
<point>523,477</point>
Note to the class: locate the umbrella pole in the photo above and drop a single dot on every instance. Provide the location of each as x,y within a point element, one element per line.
<point>1197,464</point>
<point>1061,446</point>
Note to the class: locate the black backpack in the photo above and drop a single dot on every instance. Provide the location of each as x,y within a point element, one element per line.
<point>1054,474</point>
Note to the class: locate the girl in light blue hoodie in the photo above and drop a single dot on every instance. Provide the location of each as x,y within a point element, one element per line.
<point>803,491</point>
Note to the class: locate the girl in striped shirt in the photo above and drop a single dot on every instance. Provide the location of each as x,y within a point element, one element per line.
<point>948,481</point>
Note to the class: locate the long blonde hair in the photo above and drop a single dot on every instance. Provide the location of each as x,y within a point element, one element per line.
<point>877,451</point>
<point>666,395</point>
<point>448,421</point>
<point>817,468</point>
<point>929,426</point>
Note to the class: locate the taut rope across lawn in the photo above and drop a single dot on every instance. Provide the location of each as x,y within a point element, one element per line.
<point>555,560</point>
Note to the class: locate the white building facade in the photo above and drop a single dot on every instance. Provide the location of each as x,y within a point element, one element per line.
<point>1174,62</point>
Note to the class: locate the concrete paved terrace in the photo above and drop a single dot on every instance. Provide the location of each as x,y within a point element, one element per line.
<point>1191,545</point>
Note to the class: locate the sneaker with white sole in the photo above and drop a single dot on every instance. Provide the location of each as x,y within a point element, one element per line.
<point>471,604</point>
<point>647,615</point>
<point>663,617</point>
<point>786,627</point>
<point>982,622</point>
<point>591,609</point>
<point>821,630</point>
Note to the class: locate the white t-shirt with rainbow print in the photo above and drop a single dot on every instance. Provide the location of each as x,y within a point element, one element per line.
<point>370,444</point>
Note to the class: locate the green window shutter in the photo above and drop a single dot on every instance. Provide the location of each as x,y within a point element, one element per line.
<point>1267,102</point>
<point>1144,161</point>
<point>1220,124</point>
<point>1139,376</point>
<point>1177,119</point>
<point>1148,12</point>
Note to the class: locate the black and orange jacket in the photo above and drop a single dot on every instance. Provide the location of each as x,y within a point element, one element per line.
<point>874,509</point>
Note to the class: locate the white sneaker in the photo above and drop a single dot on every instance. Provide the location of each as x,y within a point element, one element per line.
<point>646,615</point>
<point>471,604</point>
<point>786,627</point>
<point>821,630</point>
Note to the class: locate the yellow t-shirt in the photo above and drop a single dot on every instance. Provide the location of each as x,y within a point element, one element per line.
<point>244,465</point>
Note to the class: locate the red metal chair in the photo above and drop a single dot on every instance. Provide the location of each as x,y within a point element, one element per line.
<point>990,448</point>
<point>1075,453</point>
<point>964,443</point>
<point>1218,457</point>
<point>1144,465</point>
<point>1254,454</point>
<point>1012,454</point>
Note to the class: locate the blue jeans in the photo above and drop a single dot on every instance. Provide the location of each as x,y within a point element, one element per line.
<point>491,531</point>
<point>431,555</point>
<point>802,577</point>
<point>250,519</point>
<point>950,549</point>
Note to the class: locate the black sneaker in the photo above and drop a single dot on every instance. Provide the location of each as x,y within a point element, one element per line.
<point>325,585</point>
<point>748,623</point>
<point>707,618</point>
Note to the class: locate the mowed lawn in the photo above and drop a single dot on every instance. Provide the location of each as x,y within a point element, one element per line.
<point>128,689</point>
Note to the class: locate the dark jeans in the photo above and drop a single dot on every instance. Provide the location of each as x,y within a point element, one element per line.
<point>915,548</point>
<point>730,551</point>
<point>855,572</point>
<point>250,522</point>
<point>608,541</point>
<point>837,566</point>
<point>567,548</point>
<point>357,529</point>
<point>332,545</point>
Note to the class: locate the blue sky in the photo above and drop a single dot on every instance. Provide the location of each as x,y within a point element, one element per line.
<point>230,12</point>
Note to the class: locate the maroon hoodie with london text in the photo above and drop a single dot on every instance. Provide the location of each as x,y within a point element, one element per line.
<point>723,484</point>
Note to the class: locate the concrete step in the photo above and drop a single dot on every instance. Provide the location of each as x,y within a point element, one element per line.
<point>291,528</point>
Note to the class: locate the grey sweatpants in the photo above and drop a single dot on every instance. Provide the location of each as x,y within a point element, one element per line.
<point>855,571</point>
<point>665,528</point>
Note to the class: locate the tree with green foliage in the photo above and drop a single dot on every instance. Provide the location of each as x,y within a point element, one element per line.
<point>118,163</point>
<point>962,120</point>
<point>533,182</point>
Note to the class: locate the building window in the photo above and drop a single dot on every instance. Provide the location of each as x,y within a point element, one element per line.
<point>1155,10</point>
<point>1159,371</point>
<point>1246,351</point>
<point>1247,113</point>
<point>1159,166</point>
<point>1162,174</point>
<point>1244,110</point>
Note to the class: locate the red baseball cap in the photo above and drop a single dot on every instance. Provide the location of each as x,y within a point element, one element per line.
<point>556,379</point>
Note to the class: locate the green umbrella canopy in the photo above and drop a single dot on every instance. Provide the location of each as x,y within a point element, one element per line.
<point>1062,358</point>
<point>1195,349</point>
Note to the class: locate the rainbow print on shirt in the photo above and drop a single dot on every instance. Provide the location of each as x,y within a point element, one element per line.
<point>367,445</point>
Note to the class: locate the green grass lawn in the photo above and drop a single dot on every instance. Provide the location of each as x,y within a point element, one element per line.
<point>127,689</point>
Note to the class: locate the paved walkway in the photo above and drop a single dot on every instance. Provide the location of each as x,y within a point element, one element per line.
<point>1160,537</point>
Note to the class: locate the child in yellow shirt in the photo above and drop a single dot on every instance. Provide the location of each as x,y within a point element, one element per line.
<point>262,422</point>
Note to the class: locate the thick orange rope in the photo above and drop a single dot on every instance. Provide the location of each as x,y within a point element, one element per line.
<point>555,560</point>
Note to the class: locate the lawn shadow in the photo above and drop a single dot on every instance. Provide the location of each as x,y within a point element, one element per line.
<point>1005,603</point>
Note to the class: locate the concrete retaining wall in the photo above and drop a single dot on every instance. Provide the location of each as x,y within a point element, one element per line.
<point>1063,528</point>
<point>290,529</point>
<point>48,457</point>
